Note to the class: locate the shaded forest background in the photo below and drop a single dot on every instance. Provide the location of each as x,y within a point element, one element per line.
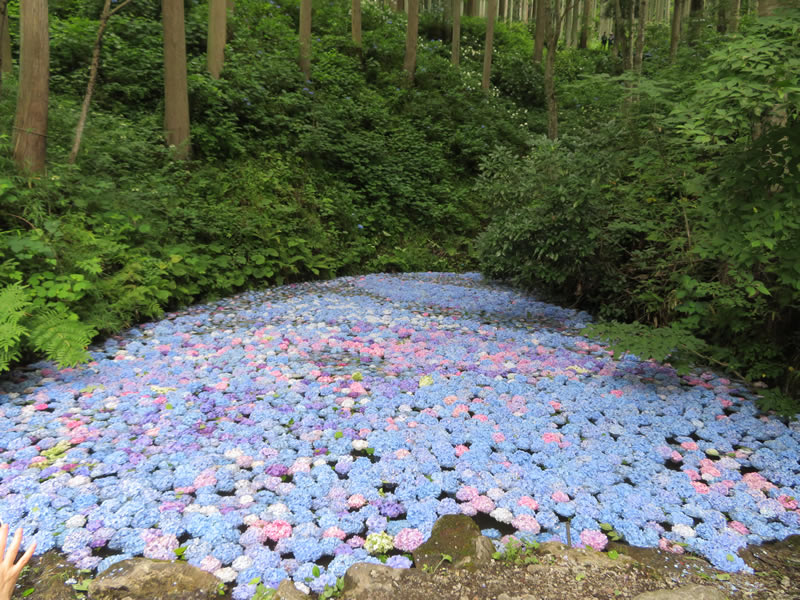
<point>666,201</point>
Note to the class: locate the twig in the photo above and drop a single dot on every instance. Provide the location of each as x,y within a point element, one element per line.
<point>720,363</point>
<point>569,535</point>
<point>117,9</point>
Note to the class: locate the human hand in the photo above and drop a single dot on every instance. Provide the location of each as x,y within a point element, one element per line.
<point>9,570</point>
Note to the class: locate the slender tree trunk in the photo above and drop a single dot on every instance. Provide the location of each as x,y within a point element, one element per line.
<point>618,28</point>
<point>356,23</point>
<point>629,35</point>
<point>676,30</point>
<point>695,20</point>
<point>491,7</point>
<point>87,98</point>
<point>524,11</point>
<point>541,30</point>
<point>733,23</point>
<point>400,6</point>
<point>410,61</point>
<point>723,8</point>
<point>5,41</point>
<point>575,25</point>
<point>568,4</point>
<point>587,11</point>
<point>639,56</point>
<point>215,43</point>
<point>553,33</point>
<point>501,11</point>
<point>305,38</point>
<point>30,125</point>
<point>176,90</point>
<point>455,56</point>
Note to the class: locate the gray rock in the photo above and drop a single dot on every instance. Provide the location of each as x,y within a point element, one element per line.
<point>47,576</point>
<point>505,596</point>
<point>457,536</point>
<point>287,591</point>
<point>686,592</point>
<point>583,557</point>
<point>364,581</point>
<point>147,579</point>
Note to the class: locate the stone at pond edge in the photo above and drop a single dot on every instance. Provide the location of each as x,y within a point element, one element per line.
<point>364,581</point>
<point>147,579</point>
<point>46,576</point>
<point>457,536</point>
<point>287,591</point>
<point>686,592</point>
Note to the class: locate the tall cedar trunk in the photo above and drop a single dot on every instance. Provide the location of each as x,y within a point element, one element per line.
<point>618,28</point>
<point>305,38</point>
<point>568,4</point>
<point>723,7</point>
<point>5,40</point>
<point>541,30</point>
<point>176,91</point>
<point>638,57</point>
<point>87,98</point>
<point>472,7</point>
<point>575,25</point>
<point>30,125</point>
<point>501,11</point>
<point>491,8</point>
<point>356,23</point>
<point>629,35</point>
<point>410,61</point>
<point>695,20</point>
<point>676,30</point>
<point>553,32</point>
<point>587,13</point>
<point>215,44</point>
<point>733,23</point>
<point>455,56</point>
<point>400,6</point>
<point>524,9</point>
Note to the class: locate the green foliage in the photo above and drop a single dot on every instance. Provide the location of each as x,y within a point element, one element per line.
<point>518,553</point>
<point>13,300</point>
<point>674,343</point>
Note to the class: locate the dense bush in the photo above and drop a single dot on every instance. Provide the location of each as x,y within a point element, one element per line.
<point>681,210</point>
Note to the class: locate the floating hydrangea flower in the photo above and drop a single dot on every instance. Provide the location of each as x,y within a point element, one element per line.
<point>378,543</point>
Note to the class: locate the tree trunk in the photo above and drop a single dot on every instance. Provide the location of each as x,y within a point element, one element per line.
<point>639,56</point>
<point>87,98</point>
<point>176,90</point>
<point>491,8</point>
<point>618,28</point>
<point>733,22</point>
<point>471,7</point>
<point>215,43</point>
<point>5,41</point>
<point>30,125</point>
<point>412,32</point>
<point>400,6</point>
<point>587,12</point>
<point>553,33</point>
<point>305,38</point>
<point>541,30</point>
<point>723,7</point>
<point>501,12</point>
<point>356,23</point>
<point>568,4</point>
<point>455,56</point>
<point>575,25</point>
<point>695,20</point>
<point>629,35</point>
<point>524,11</point>
<point>676,30</point>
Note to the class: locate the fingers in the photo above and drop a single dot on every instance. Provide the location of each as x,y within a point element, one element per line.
<point>3,539</point>
<point>26,557</point>
<point>15,544</point>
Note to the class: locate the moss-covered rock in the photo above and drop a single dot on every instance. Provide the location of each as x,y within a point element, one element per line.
<point>456,536</point>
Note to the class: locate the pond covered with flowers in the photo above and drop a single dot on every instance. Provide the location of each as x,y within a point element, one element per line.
<point>298,430</point>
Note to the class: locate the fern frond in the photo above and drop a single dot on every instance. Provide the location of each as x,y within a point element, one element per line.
<point>13,299</point>
<point>61,336</point>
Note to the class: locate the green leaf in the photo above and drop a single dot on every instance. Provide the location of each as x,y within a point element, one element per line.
<point>613,554</point>
<point>315,571</point>
<point>28,592</point>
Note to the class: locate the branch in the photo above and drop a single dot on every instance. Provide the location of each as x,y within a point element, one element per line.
<point>720,363</point>
<point>118,8</point>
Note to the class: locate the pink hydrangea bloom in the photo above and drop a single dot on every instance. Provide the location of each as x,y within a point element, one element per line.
<point>551,437</point>
<point>277,530</point>
<point>738,527</point>
<point>498,437</point>
<point>334,532</point>
<point>356,501</point>
<point>210,564</point>
<point>483,504</point>
<point>668,546</point>
<point>526,523</point>
<point>594,539</point>
<point>161,547</point>
<point>408,539</point>
<point>206,478</point>
<point>689,446</point>
<point>461,449</point>
<point>560,496</point>
<point>788,502</point>
<point>676,456</point>
<point>756,481</point>
<point>467,493</point>
<point>700,488</point>
<point>468,509</point>
<point>528,502</point>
